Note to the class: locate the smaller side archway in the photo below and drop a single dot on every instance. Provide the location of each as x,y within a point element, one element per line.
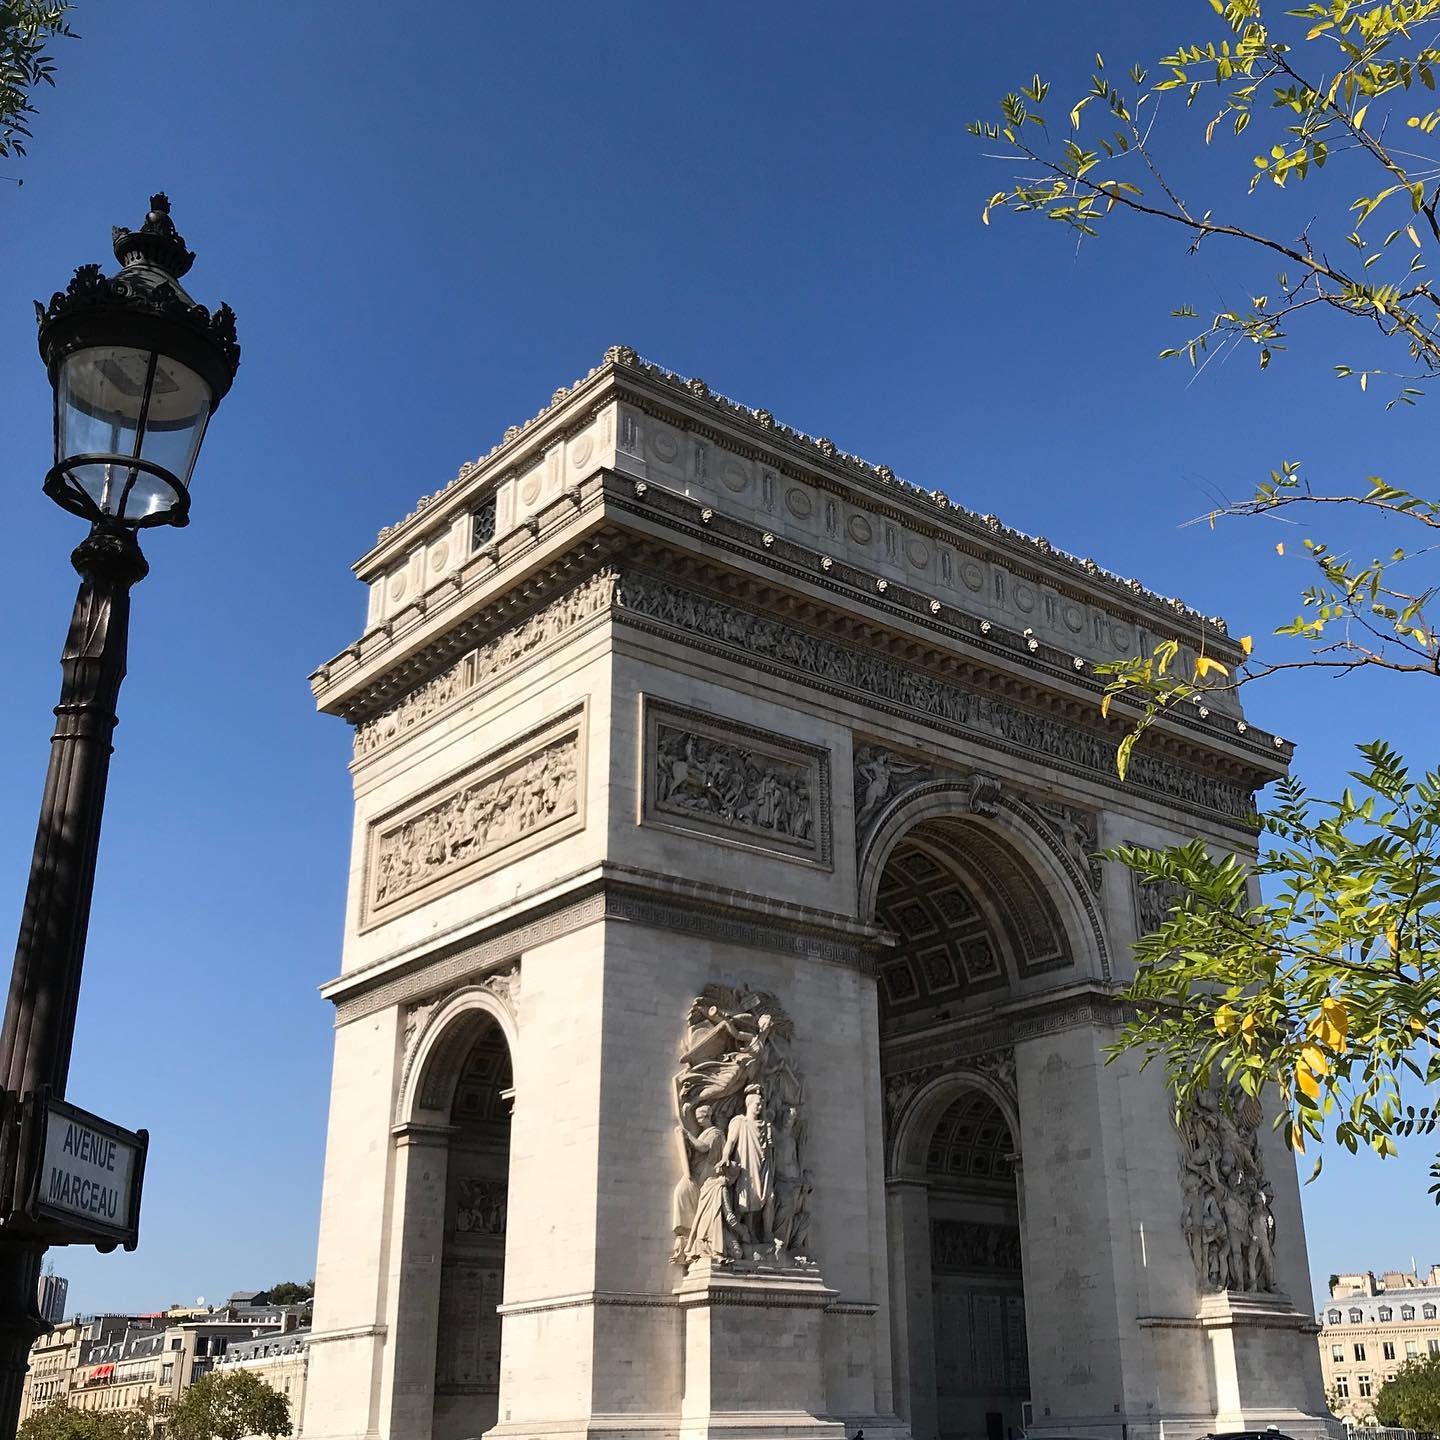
<point>451,1188</point>
<point>955,1223</point>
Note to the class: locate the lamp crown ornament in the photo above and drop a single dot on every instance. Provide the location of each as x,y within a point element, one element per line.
<point>153,258</point>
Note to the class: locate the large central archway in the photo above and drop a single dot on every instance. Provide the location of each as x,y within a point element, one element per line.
<point>980,915</point>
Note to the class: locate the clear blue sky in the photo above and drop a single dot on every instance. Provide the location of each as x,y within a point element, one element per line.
<point>429,217</point>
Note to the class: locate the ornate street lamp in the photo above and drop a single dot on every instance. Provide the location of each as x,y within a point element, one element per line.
<point>138,367</point>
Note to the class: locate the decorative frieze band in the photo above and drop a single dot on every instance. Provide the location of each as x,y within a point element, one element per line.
<point>583,602</point>
<point>868,675</point>
<point>878,680</point>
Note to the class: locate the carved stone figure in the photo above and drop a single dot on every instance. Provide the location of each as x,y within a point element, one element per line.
<point>739,1101</point>
<point>789,1178</point>
<point>750,1147</point>
<point>1225,1207</point>
<point>703,1142</point>
<point>877,773</point>
<point>715,1233</point>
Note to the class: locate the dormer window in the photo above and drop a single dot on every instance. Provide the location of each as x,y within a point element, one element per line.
<point>1407,1312</point>
<point>1356,1316</point>
<point>1386,1313</point>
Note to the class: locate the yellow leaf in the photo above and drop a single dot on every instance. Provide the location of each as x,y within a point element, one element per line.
<point>1280,548</point>
<point>1105,706</point>
<point>1297,1139</point>
<point>1307,1080</point>
<point>1312,1057</point>
<point>1392,938</point>
<point>1247,643</point>
<point>1226,1018</point>
<point>1331,1025</point>
<point>1414,238</point>
<point>1204,665</point>
<point>1335,1013</point>
<point>1247,1030</point>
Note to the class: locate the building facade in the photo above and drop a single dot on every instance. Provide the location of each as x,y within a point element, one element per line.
<point>729,973</point>
<point>115,1363</point>
<point>1370,1328</point>
<point>281,1361</point>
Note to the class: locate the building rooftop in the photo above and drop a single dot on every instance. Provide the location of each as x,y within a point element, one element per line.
<point>826,452</point>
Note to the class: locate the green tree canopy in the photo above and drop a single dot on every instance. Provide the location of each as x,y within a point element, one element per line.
<point>291,1292</point>
<point>228,1405</point>
<point>57,1421</point>
<point>1412,1399</point>
<point>1325,986</point>
<point>26,28</point>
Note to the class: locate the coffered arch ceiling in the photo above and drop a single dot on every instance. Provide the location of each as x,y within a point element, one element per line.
<point>971,1144</point>
<point>970,917</point>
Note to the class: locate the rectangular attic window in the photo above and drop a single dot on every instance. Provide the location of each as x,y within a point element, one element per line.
<point>482,524</point>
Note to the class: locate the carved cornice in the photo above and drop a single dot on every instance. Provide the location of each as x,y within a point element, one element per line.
<point>427,680</point>
<point>503,617</point>
<point>688,907</point>
<point>1002,1027</point>
<point>852,584</point>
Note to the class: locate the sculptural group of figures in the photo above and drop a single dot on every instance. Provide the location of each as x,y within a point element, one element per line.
<point>737,786</point>
<point>1228,1217</point>
<point>745,1195</point>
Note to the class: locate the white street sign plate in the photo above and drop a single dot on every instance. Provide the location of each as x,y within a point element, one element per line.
<point>87,1172</point>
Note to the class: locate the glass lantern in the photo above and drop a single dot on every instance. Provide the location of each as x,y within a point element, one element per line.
<point>128,426</point>
<point>138,367</point>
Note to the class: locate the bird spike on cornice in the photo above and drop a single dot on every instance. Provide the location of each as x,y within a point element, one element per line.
<point>697,389</point>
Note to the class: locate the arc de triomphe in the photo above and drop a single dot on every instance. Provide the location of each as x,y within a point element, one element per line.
<point>728,979</point>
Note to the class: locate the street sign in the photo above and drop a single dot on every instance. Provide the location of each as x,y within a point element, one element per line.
<point>81,1175</point>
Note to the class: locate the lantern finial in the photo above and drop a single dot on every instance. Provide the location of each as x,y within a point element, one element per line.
<point>157,242</point>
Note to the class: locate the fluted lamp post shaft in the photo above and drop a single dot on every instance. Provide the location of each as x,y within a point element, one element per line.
<point>138,368</point>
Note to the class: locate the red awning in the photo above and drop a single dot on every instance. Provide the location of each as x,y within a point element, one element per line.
<point>102,1372</point>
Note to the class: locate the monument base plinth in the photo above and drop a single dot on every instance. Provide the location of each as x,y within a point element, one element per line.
<point>1259,1344</point>
<point>753,1352</point>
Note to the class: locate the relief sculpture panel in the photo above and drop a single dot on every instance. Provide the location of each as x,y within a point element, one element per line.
<point>523,794</point>
<point>736,783</point>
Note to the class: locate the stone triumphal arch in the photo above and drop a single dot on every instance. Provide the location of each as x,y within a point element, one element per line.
<point>729,972</point>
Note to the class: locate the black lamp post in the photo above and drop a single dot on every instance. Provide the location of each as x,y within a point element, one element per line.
<point>138,368</point>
